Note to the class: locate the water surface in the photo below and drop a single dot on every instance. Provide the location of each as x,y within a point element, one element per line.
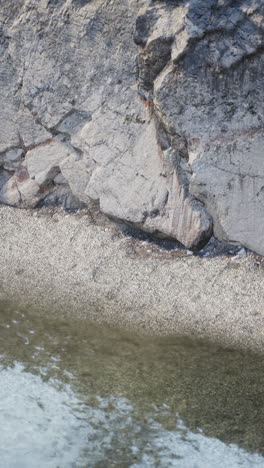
<point>74,394</point>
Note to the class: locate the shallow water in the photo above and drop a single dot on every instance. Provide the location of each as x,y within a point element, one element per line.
<point>74,394</point>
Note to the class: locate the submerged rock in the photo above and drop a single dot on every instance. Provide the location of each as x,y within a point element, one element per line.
<point>152,110</point>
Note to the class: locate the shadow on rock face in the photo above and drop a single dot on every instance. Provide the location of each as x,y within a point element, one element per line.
<point>81,3</point>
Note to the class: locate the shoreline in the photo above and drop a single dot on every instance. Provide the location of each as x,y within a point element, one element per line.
<point>64,263</point>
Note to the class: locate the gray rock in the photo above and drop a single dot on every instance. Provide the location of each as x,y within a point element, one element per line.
<point>19,189</point>
<point>242,251</point>
<point>43,162</point>
<point>12,155</point>
<point>209,92</point>
<point>150,110</point>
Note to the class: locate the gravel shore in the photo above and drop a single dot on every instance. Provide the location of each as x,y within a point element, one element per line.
<point>65,263</point>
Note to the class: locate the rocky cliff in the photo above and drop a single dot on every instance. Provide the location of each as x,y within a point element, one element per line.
<point>151,110</point>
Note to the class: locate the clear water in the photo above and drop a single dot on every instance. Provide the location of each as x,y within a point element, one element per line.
<point>73,394</point>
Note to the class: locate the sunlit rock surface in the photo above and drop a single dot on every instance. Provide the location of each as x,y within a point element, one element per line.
<point>152,110</point>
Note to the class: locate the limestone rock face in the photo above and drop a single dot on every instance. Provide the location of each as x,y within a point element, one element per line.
<point>151,109</point>
<point>208,91</point>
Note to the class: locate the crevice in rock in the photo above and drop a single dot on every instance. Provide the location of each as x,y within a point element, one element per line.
<point>64,129</point>
<point>151,62</point>
<point>167,135</point>
<point>20,195</point>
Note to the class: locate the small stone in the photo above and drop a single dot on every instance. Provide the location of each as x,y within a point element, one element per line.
<point>235,259</point>
<point>242,251</point>
<point>189,252</point>
<point>253,265</point>
<point>207,254</point>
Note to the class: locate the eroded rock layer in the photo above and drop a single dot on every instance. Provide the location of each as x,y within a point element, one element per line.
<point>150,109</point>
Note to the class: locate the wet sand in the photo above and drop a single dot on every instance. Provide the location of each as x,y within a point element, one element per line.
<point>51,260</point>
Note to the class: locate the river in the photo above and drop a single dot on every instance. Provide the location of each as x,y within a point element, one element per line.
<point>76,394</point>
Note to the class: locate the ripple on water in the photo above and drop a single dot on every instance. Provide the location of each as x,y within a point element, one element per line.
<point>76,395</point>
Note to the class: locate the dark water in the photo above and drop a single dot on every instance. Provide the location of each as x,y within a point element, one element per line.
<point>73,394</point>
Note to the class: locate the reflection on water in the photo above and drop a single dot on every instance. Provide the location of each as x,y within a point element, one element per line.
<point>33,414</point>
<point>73,394</point>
